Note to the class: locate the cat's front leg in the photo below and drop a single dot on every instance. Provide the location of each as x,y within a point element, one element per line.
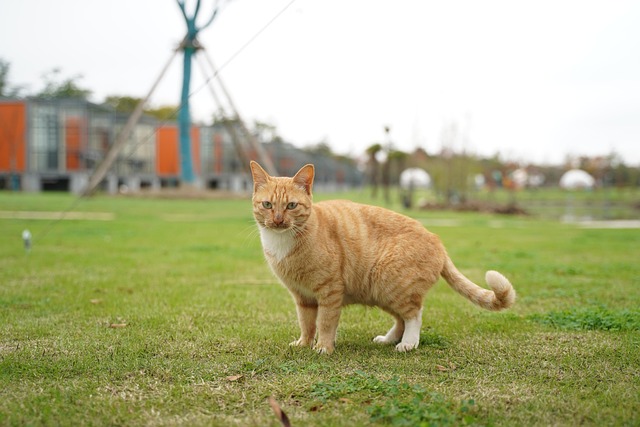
<point>328,318</point>
<point>307,314</point>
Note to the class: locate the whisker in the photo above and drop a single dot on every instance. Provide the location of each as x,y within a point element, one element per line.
<point>250,233</point>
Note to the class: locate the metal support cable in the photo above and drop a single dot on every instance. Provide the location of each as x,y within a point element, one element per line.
<point>124,135</point>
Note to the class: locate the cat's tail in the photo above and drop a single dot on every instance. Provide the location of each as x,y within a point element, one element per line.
<point>500,297</point>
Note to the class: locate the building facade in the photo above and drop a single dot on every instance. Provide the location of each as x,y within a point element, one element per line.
<point>55,144</point>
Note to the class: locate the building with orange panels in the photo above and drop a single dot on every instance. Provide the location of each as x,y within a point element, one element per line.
<point>55,145</point>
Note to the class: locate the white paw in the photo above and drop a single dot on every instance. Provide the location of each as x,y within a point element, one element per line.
<point>381,339</point>
<point>406,346</point>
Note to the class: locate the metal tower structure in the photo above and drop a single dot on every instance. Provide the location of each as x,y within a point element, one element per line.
<point>235,126</point>
<point>190,45</point>
<point>243,140</point>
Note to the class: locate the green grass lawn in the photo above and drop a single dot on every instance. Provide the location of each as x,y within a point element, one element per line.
<point>168,315</point>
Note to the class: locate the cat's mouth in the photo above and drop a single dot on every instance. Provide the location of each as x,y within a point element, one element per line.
<point>280,228</point>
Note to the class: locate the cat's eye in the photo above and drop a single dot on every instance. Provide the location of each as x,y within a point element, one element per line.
<point>292,205</point>
<point>267,205</point>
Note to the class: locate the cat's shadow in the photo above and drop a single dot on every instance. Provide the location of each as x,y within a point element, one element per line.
<point>352,346</point>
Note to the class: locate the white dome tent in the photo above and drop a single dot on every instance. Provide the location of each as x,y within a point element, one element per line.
<point>413,178</point>
<point>576,179</point>
<point>410,180</point>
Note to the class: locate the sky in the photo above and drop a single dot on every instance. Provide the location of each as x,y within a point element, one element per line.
<point>535,81</point>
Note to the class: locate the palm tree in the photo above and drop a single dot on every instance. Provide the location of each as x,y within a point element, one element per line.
<point>373,168</point>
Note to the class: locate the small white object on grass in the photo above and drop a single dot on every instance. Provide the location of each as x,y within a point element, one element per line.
<point>26,238</point>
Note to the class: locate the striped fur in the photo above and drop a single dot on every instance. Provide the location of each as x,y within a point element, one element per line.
<point>334,253</point>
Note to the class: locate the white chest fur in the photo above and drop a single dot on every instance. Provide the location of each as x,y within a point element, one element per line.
<point>276,244</point>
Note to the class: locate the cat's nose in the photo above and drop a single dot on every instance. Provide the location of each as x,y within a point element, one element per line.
<point>278,219</point>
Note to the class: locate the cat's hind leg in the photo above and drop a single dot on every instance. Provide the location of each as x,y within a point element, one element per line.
<point>394,335</point>
<point>411,335</point>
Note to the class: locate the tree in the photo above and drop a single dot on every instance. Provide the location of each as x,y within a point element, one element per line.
<point>57,87</point>
<point>127,104</point>
<point>373,168</point>
<point>122,104</point>
<point>398,163</point>
<point>4,77</point>
<point>265,132</point>
<point>322,148</point>
<point>164,112</point>
<point>7,90</point>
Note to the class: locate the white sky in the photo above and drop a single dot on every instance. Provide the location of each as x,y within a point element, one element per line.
<point>534,80</point>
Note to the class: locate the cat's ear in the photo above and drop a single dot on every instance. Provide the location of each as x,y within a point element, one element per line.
<point>260,177</point>
<point>304,178</point>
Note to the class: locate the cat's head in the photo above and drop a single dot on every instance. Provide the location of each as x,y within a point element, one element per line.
<point>282,203</point>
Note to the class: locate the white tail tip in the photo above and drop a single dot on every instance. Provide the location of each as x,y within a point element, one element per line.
<point>502,289</point>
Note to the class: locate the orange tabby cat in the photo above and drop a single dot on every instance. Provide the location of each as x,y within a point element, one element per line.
<point>335,253</point>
